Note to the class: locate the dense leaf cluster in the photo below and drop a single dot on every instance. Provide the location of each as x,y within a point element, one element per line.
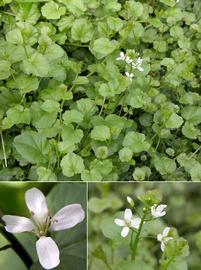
<point>67,109</point>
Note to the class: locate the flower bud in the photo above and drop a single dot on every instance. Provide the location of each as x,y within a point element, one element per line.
<point>130,201</point>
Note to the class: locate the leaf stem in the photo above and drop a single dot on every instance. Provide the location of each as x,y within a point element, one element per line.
<point>18,248</point>
<point>197,150</point>
<point>76,45</point>
<point>4,150</point>
<point>102,106</point>
<point>137,238</point>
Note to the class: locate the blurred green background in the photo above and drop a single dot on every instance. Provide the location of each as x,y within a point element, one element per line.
<point>72,242</point>
<point>183,213</point>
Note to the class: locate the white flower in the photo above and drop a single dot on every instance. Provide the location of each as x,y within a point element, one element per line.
<point>128,60</point>
<point>164,238</point>
<point>129,75</point>
<point>158,210</point>
<point>42,222</point>
<point>121,57</point>
<point>137,64</point>
<point>129,222</point>
<point>130,201</point>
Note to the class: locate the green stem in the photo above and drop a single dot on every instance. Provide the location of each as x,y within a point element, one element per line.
<point>108,265</point>
<point>197,150</point>
<point>4,150</point>
<point>76,45</point>
<point>102,106</point>
<point>18,248</point>
<point>131,241</point>
<point>137,238</point>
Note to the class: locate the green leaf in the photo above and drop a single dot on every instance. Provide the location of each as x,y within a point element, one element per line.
<point>82,30</point>
<point>170,3</point>
<point>16,115</point>
<point>25,83</point>
<point>44,115</point>
<point>164,165</point>
<point>91,175</point>
<point>72,116</point>
<point>54,51</point>
<point>134,9</point>
<point>70,137</point>
<point>5,69</point>
<point>77,7</point>
<point>15,36</point>
<point>190,131</point>
<point>97,205</point>
<point>192,114</point>
<point>142,173</point>
<point>136,142</point>
<point>37,65</point>
<point>45,174</point>
<point>102,47</point>
<point>28,12</point>
<point>72,164</point>
<point>174,121</point>
<point>125,154</point>
<point>100,133</point>
<point>33,147</point>
<point>52,11</point>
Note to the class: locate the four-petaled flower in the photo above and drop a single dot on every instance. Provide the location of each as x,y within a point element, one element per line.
<point>42,222</point>
<point>137,64</point>
<point>158,210</point>
<point>129,222</point>
<point>164,238</point>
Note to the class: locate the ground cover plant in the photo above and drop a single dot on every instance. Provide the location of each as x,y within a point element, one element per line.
<point>40,232</point>
<point>144,226</point>
<point>98,90</point>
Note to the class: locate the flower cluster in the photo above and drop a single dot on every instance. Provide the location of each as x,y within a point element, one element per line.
<point>131,222</point>
<point>132,59</point>
<point>42,222</point>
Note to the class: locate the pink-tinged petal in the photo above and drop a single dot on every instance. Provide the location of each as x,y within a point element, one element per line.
<point>166,231</point>
<point>135,222</point>
<point>16,224</point>
<point>67,217</point>
<point>128,214</point>
<point>125,232</point>
<point>36,204</point>
<point>48,252</point>
<point>119,222</point>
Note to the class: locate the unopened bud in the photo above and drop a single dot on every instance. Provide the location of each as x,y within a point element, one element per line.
<point>130,201</point>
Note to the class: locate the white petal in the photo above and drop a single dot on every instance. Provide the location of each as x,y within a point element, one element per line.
<point>125,232</point>
<point>166,231</point>
<point>48,252</point>
<point>135,222</point>
<point>159,237</point>
<point>128,214</point>
<point>140,69</point>
<point>161,207</point>
<point>36,203</point>
<point>16,224</point>
<point>67,217</point>
<point>119,222</point>
<point>162,246</point>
